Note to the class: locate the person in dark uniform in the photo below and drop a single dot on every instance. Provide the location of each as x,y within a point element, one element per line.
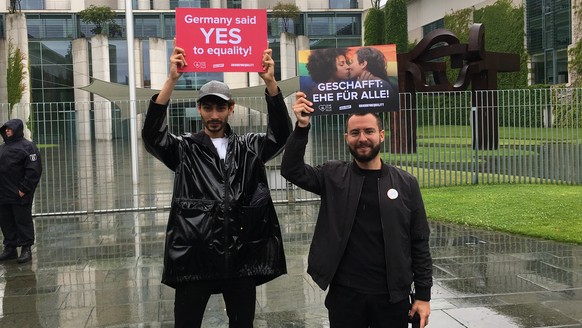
<point>20,171</point>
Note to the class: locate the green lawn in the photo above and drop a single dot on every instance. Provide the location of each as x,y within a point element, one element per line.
<point>537,210</point>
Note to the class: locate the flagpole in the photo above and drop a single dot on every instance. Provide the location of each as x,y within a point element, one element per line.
<point>132,91</point>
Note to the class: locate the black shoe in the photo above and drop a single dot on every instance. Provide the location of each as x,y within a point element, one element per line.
<point>9,253</point>
<point>25,255</point>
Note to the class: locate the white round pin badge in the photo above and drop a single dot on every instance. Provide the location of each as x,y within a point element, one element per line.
<point>392,194</point>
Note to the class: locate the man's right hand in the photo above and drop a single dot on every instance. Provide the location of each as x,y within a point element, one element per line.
<point>302,109</point>
<point>177,60</point>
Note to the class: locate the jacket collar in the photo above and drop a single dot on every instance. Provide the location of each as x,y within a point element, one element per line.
<point>357,170</point>
<point>203,138</point>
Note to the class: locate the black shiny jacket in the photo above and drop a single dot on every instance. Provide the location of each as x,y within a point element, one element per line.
<point>405,227</point>
<point>20,165</point>
<point>222,221</point>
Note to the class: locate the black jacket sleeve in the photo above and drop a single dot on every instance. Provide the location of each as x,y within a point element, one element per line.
<point>32,169</point>
<point>278,127</point>
<point>293,166</point>
<point>155,136</point>
<point>420,252</point>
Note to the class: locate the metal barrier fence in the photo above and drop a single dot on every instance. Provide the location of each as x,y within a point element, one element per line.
<point>86,153</point>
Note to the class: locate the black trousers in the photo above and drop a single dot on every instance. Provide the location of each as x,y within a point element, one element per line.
<point>239,296</point>
<point>348,308</point>
<point>16,224</point>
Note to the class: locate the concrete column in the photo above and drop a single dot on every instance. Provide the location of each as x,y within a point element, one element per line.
<point>161,4</point>
<point>3,6</point>
<point>102,107</point>
<point>80,79</point>
<point>138,59</point>
<point>158,62</point>
<point>302,4</point>
<point>77,6</point>
<point>302,42</point>
<point>16,33</point>
<point>216,4</point>
<point>573,78</point>
<point>254,79</point>
<point>237,80</point>
<point>143,4</point>
<point>250,4</point>
<point>288,56</point>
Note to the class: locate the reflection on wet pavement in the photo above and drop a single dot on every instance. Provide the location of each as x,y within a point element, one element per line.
<point>104,271</point>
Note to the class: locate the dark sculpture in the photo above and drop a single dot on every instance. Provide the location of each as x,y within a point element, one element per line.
<point>477,67</point>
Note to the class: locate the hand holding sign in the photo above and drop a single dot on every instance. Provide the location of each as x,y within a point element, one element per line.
<point>302,109</point>
<point>222,40</point>
<point>177,63</point>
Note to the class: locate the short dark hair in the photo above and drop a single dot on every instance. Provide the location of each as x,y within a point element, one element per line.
<point>378,119</point>
<point>376,61</point>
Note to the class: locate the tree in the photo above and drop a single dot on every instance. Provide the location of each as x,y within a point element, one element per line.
<point>576,51</point>
<point>396,28</point>
<point>101,17</point>
<point>504,32</point>
<point>286,11</point>
<point>15,74</point>
<point>374,25</point>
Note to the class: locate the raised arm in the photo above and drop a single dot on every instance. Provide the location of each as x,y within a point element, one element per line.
<point>279,123</point>
<point>155,136</point>
<point>293,166</point>
<point>177,60</point>
<point>268,75</point>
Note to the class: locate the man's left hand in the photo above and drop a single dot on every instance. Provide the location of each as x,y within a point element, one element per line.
<point>268,75</point>
<point>423,310</point>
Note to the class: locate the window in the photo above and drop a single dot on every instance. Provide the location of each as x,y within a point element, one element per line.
<point>147,27</point>
<point>189,4</point>
<point>439,23</point>
<point>50,26</point>
<point>169,27</point>
<point>51,71</point>
<point>320,25</point>
<point>118,67</point>
<point>31,4</point>
<point>334,24</point>
<point>347,25</point>
<point>234,4</point>
<point>343,4</point>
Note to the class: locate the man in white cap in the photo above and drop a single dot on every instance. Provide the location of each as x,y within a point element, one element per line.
<point>223,235</point>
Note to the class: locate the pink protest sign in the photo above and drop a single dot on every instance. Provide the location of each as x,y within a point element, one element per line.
<point>222,40</point>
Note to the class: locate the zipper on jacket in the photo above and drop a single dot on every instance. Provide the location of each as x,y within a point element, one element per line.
<point>226,217</point>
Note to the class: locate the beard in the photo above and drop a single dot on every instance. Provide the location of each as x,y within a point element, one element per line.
<point>367,157</point>
<point>215,125</point>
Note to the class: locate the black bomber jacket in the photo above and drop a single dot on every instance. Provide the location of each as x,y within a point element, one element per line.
<point>405,227</point>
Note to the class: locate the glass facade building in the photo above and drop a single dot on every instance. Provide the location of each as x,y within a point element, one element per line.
<point>549,31</point>
<point>51,35</point>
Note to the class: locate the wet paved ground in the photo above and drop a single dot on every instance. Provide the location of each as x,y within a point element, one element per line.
<point>104,271</point>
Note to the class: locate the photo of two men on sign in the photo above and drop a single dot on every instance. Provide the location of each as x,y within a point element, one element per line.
<point>337,80</point>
